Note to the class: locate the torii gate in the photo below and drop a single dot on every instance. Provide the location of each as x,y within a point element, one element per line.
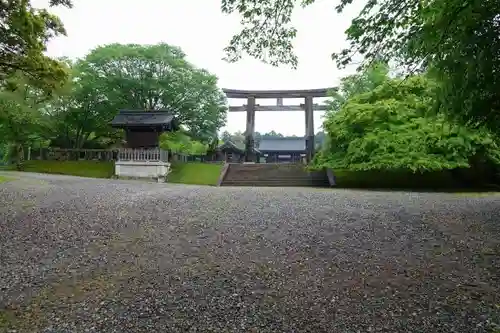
<point>251,107</point>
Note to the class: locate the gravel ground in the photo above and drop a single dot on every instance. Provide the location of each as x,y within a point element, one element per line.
<point>87,255</point>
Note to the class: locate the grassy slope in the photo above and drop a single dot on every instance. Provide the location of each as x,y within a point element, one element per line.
<point>4,179</point>
<point>93,169</point>
<point>195,173</point>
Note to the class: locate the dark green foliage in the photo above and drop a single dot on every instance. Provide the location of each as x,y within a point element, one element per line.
<point>22,120</point>
<point>458,40</point>
<point>24,33</point>
<point>444,180</point>
<point>154,77</point>
<point>397,179</point>
<point>392,128</point>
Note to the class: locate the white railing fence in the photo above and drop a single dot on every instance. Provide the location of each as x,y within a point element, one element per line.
<point>146,155</point>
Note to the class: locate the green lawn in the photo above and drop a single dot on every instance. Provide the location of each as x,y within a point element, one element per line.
<point>195,173</point>
<point>4,179</point>
<point>92,169</point>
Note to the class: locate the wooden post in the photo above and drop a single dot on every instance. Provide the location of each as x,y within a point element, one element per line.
<point>309,128</point>
<point>29,154</point>
<point>250,129</point>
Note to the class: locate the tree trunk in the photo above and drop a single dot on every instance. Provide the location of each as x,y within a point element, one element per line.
<point>19,157</point>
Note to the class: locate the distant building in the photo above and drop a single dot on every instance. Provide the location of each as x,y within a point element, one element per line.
<point>283,150</point>
<point>230,152</point>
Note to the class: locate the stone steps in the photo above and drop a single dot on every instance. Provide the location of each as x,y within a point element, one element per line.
<point>276,183</point>
<point>273,174</point>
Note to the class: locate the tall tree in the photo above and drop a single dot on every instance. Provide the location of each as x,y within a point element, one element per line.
<point>352,85</point>
<point>179,142</point>
<point>24,33</point>
<point>392,128</point>
<point>226,136</point>
<point>23,121</point>
<point>457,39</point>
<point>320,139</point>
<point>153,77</point>
<point>238,138</point>
<point>84,112</point>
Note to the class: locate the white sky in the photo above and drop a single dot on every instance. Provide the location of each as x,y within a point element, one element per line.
<point>202,31</point>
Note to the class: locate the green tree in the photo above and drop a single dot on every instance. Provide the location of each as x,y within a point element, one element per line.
<point>180,142</point>
<point>457,39</point>
<point>320,139</point>
<point>23,121</point>
<point>83,113</point>
<point>198,148</point>
<point>226,136</point>
<point>238,138</point>
<point>392,128</point>
<point>24,33</point>
<point>352,85</point>
<point>153,77</point>
<point>272,134</point>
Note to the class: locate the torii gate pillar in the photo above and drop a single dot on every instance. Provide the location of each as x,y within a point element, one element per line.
<point>309,113</point>
<point>250,130</point>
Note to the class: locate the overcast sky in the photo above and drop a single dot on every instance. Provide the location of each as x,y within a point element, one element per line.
<point>202,31</point>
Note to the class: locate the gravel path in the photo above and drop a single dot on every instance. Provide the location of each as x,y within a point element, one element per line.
<point>86,255</point>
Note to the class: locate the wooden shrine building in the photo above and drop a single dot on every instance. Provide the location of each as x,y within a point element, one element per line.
<point>283,150</point>
<point>231,153</point>
<point>143,128</point>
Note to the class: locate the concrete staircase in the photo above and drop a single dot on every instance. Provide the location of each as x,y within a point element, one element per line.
<point>273,174</point>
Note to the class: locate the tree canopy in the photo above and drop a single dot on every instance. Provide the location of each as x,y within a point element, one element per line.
<point>352,85</point>
<point>22,120</point>
<point>457,39</point>
<point>136,77</point>
<point>179,142</point>
<point>153,77</point>
<point>392,127</point>
<point>23,36</point>
<point>28,78</point>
